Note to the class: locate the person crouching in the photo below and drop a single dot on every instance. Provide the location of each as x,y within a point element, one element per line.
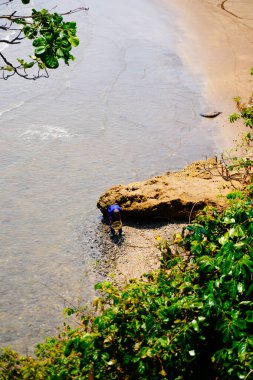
<point>115,221</point>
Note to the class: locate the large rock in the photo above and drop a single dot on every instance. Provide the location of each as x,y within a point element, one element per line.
<point>176,195</point>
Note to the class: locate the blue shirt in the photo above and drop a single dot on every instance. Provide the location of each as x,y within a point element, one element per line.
<point>112,208</point>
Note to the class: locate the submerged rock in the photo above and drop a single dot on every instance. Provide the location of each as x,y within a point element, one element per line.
<point>177,195</point>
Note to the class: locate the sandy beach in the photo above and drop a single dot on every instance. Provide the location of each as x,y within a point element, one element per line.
<point>137,252</point>
<point>217,41</point>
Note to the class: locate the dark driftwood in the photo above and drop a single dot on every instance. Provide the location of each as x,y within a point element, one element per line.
<point>210,114</point>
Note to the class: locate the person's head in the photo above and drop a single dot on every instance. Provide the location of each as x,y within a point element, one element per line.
<point>116,215</point>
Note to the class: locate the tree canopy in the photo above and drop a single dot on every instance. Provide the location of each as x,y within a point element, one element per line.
<point>51,36</point>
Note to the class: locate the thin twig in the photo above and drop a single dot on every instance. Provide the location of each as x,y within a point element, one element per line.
<point>248,374</point>
<point>192,211</point>
<point>13,16</point>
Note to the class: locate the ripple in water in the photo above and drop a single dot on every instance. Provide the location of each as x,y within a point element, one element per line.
<point>45,132</point>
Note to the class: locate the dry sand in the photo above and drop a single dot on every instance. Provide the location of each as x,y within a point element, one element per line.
<point>217,44</point>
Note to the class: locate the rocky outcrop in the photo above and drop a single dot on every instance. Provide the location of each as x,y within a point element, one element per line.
<point>175,195</point>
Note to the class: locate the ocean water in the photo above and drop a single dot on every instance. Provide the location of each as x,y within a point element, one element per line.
<point>125,110</point>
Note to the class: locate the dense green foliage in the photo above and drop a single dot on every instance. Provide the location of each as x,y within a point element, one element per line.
<point>52,39</point>
<point>192,319</point>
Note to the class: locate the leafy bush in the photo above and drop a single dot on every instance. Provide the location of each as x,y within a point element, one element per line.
<point>192,319</point>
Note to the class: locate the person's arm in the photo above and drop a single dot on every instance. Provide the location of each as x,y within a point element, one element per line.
<point>120,214</point>
<point>110,216</point>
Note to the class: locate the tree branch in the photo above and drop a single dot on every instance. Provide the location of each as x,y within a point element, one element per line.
<point>6,2</point>
<point>18,70</point>
<point>14,17</point>
<point>47,50</point>
<point>16,40</point>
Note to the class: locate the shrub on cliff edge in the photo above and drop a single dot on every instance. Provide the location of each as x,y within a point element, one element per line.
<point>191,319</point>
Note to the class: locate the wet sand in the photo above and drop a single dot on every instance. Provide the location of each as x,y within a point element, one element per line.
<point>217,41</point>
<point>137,252</point>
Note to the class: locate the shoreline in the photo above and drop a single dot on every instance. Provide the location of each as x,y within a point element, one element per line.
<point>156,208</point>
<point>220,58</point>
<point>134,258</point>
<point>216,40</point>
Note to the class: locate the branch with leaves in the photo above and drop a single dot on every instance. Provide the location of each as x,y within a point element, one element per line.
<point>52,39</point>
<point>233,168</point>
<point>236,165</point>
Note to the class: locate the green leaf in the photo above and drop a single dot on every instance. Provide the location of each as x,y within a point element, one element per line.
<point>239,232</point>
<point>28,65</point>
<point>71,25</point>
<point>20,21</point>
<point>29,32</point>
<point>234,117</point>
<point>242,348</point>
<point>195,325</point>
<point>8,68</point>
<point>240,287</point>
<point>223,240</point>
<point>74,41</point>
<point>59,53</point>
<point>39,42</point>
<point>50,61</point>
<point>40,50</point>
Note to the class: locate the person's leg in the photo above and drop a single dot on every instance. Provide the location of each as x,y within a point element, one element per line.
<point>112,231</point>
<point>121,233</point>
